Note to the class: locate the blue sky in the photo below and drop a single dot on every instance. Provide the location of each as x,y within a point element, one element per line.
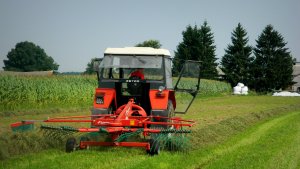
<point>74,31</point>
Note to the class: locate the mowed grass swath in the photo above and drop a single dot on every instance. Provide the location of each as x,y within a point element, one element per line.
<point>19,93</point>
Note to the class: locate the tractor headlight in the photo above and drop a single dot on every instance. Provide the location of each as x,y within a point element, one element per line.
<point>99,100</point>
<point>161,88</point>
<point>160,91</point>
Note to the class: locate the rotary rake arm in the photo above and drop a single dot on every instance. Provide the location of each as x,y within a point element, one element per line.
<point>128,121</point>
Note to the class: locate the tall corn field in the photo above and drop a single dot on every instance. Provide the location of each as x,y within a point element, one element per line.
<point>207,87</point>
<point>30,92</point>
<point>212,87</point>
<point>36,91</point>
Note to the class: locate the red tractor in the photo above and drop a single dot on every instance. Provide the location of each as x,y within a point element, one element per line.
<point>154,93</point>
<point>136,97</point>
<point>148,100</point>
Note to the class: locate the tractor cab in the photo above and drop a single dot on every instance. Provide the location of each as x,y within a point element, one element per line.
<point>142,74</point>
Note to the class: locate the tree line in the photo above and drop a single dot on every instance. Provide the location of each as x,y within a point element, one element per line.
<point>267,66</point>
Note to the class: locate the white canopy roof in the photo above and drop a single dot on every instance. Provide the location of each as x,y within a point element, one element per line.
<point>296,69</point>
<point>136,51</point>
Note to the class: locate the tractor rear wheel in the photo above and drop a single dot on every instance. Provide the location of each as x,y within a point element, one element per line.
<point>171,111</point>
<point>70,144</point>
<point>155,140</point>
<point>168,113</point>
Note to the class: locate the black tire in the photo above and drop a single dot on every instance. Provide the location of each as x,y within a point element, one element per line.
<point>170,144</point>
<point>154,143</point>
<point>154,147</point>
<point>171,111</point>
<point>70,145</point>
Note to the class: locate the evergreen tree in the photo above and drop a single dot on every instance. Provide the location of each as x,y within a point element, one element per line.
<point>197,45</point>
<point>273,65</point>
<point>207,53</point>
<point>236,63</point>
<point>27,56</point>
<point>189,49</point>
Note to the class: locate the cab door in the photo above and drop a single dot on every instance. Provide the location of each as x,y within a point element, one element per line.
<point>187,86</point>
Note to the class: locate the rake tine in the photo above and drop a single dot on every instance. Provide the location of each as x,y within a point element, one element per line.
<point>60,132</point>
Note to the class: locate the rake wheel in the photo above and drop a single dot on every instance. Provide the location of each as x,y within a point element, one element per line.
<point>154,147</point>
<point>70,145</point>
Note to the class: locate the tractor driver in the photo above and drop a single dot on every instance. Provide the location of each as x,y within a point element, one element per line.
<point>139,72</point>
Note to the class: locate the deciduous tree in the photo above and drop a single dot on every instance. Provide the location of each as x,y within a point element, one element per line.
<point>90,67</point>
<point>26,56</point>
<point>150,43</point>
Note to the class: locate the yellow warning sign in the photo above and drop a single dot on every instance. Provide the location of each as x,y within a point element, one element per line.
<point>132,122</point>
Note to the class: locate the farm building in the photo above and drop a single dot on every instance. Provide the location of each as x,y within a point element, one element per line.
<point>221,74</point>
<point>296,76</point>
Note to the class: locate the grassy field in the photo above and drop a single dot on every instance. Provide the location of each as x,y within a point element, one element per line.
<point>231,132</point>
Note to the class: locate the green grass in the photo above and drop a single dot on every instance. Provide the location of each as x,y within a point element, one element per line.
<point>269,144</point>
<point>231,131</point>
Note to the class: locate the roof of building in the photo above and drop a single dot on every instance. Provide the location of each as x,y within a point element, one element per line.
<point>220,72</point>
<point>296,69</point>
<point>136,51</point>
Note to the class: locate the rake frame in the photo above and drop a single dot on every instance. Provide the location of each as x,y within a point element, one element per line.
<point>131,119</point>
